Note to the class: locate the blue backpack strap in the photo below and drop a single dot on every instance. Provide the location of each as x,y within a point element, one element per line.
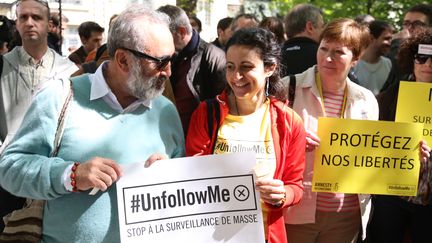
<point>213,113</point>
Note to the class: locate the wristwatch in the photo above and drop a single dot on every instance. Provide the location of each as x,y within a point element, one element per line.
<point>280,203</point>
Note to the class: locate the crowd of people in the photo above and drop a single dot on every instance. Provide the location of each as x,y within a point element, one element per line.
<point>157,90</point>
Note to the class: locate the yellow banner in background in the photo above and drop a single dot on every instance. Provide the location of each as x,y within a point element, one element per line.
<point>371,157</point>
<point>414,104</point>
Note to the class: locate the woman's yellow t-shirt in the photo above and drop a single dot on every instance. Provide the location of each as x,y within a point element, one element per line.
<point>250,133</point>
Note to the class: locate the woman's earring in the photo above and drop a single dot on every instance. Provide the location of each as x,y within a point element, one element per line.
<point>267,87</point>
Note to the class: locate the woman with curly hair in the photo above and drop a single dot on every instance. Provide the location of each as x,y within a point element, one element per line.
<point>394,216</point>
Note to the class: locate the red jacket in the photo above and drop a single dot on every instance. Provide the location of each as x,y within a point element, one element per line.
<point>289,141</point>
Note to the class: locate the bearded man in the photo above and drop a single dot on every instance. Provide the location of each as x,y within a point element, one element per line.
<point>116,116</point>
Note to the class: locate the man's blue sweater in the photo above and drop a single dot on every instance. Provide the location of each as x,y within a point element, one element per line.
<point>93,129</point>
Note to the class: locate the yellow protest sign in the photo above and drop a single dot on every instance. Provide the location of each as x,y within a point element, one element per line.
<point>414,104</point>
<point>372,157</point>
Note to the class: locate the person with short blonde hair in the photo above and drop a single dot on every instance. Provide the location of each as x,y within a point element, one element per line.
<point>325,90</point>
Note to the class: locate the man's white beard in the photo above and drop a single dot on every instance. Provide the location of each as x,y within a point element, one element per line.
<point>142,87</point>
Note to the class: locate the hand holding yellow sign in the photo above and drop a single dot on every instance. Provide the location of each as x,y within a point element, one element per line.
<point>372,157</point>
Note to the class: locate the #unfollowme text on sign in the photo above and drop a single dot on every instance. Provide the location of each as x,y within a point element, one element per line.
<point>203,199</point>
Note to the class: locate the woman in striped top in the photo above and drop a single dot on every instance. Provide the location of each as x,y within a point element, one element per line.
<point>325,90</point>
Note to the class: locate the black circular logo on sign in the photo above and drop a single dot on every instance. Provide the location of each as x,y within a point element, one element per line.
<point>241,193</point>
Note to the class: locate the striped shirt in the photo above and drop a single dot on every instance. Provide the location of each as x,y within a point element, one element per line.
<point>335,202</point>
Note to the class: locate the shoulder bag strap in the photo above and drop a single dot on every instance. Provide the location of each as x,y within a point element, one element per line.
<point>291,90</point>
<point>62,118</point>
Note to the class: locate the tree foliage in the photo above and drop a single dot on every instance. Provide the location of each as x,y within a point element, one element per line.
<point>189,6</point>
<point>388,10</point>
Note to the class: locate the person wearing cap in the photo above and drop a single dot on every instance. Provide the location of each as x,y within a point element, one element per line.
<point>394,216</point>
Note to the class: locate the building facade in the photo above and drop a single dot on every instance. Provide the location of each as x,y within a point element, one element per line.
<point>100,11</point>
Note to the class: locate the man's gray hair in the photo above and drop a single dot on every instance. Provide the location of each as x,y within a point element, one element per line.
<point>296,19</point>
<point>127,29</point>
<point>178,18</point>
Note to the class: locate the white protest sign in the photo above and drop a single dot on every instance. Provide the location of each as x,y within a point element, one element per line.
<point>425,49</point>
<point>201,199</point>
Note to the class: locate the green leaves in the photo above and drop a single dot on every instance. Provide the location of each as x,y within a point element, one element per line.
<point>391,11</point>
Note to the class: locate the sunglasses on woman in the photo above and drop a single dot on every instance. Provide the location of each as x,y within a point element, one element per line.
<point>421,58</point>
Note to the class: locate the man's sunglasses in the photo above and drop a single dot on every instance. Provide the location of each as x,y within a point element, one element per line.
<point>161,63</point>
<point>421,58</point>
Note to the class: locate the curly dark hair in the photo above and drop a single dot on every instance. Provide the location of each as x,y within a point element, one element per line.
<point>409,48</point>
<point>269,50</point>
